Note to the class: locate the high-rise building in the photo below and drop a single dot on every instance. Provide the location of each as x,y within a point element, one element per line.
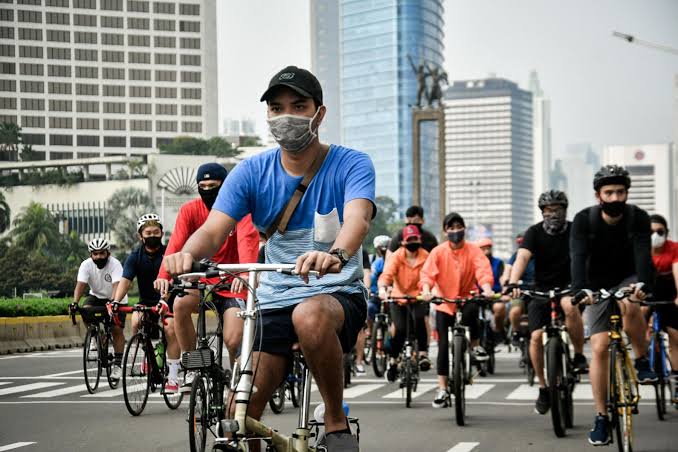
<point>489,162</point>
<point>579,163</point>
<point>653,169</point>
<point>86,78</point>
<point>541,110</point>
<point>379,87</point>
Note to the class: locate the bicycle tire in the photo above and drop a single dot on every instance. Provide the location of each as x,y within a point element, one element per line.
<point>627,415</point>
<point>136,383</point>
<point>491,361</point>
<point>660,385</point>
<point>277,400</point>
<point>294,386</point>
<point>348,357</point>
<point>198,419</point>
<point>557,386</point>
<point>110,361</point>
<point>407,381</point>
<point>379,356</point>
<point>459,380</point>
<point>91,365</point>
<point>367,352</point>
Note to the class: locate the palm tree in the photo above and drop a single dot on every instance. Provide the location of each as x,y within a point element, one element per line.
<point>125,206</point>
<point>10,138</point>
<point>36,230</point>
<point>5,214</point>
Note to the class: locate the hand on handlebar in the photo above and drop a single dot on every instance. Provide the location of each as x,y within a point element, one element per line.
<point>319,261</point>
<point>163,308</point>
<point>427,296</point>
<point>488,293</point>
<point>178,263</point>
<point>638,294</point>
<point>237,285</point>
<point>161,286</point>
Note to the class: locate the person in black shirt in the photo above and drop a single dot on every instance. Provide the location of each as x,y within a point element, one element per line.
<point>548,243</point>
<point>610,248</point>
<point>414,215</point>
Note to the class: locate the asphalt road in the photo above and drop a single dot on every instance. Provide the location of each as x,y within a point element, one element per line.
<point>44,406</point>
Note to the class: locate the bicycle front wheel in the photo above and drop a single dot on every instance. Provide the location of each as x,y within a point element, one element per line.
<point>198,419</point>
<point>458,378</point>
<point>277,401</point>
<point>379,357</point>
<point>626,392</point>
<point>408,381</point>
<point>294,383</point>
<point>91,359</point>
<point>660,385</point>
<point>557,386</point>
<point>136,376</point>
<point>109,361</point>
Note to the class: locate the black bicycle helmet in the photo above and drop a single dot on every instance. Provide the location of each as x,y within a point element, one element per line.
<point>611,174</point>
<point>552,197</point>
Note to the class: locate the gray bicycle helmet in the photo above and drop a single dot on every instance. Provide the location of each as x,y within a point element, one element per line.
<point>611,174</point>
<point>552,197</point>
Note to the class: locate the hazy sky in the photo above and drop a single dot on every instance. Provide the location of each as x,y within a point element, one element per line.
<point>602,89</point>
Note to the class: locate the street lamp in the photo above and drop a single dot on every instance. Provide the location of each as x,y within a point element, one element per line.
<point>633,40</point>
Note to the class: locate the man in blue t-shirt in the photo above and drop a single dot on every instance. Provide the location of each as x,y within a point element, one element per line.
<point>324,233</point>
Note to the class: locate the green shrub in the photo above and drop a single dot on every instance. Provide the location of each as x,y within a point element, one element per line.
<point>33,307</point>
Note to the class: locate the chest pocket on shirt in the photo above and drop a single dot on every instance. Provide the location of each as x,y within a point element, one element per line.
<point>326,227</point>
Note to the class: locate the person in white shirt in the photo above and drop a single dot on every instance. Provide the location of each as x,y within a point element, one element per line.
<point>102,273</point>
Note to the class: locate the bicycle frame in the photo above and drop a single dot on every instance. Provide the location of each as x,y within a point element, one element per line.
<point>658,349</point>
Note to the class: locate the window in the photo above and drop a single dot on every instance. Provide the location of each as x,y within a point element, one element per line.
<point>30,16</point>
<point>190,43</point>
<point>191,127</point>
<point>58,35</point>
<point>191,93</point>
<point>32,87</point>
<point>58,3</point>
<point>11,119</point>
<point>8,85</point>
<point>33,104</point>
<point>84,20</point>
<point>115,142</point>
<point>165,93</point>
<point>29,2</point>
<point>112,39</point>
<point>165,126</point>
<point>111,22</point>
<point>141,142</point>
<point>190,26</point>
<point>58,53</point>
<point>7,15</point>
<point>30,34</point>
<point>60,123</point>
<point>115,108</point>
<point>86,89</point>
<point>136,23</point>
<point>189,10</point>
<point>59,88</point>
<point>7,68</point>
<point>33,121</point>
<point>85,4</point>
<point>191,77</point>
<point>57,18</point>
<point>139,57</point>
<point>86,72</point>
<point>60,105</point>
<point>7,32</point>
<point>165,58</point>
<point>7,103</point>
<point>164,25</point>
<point>112,56</point>
<point>165,76</point>
<point>86,55</point>
<point>137,6</point>
<point>190,60</point>
<point>87,106</point>
<point>111,5</point>
<point>61,140</point>
<point>55,70</point>
<point>139,91</point>
<point>113,73</point>
<point>163,8</point>
<point>141,125</point>
<point>87,123</point>
<point>139,40</point>
<point>139,74</point>
<point>168,42</point>
<point>166,109</point>
<point>30,52</point>
<point>85,37</point>
<point>87,140</point>
<point>7,50</point>
<point>140,109</point>
<point>114,91</point>
<point>191,110</point>
<point>33,138</point>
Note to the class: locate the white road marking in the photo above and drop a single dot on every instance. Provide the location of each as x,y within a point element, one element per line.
<point>61,374</point>
<point>476,390</point>
<point>15,445</point>
<point>400,393</point>
<point>358,390</point>
<point>56,392</point>
<point>28,387</point>
<point>6,383</point>
<point>115,392</point>
<point>581,392</point>
<point>463,447</point>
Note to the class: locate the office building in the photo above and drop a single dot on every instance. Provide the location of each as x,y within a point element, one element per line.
<point>579,163</point>
<point>541,109</point>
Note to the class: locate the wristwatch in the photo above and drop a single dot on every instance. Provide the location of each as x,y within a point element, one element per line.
<point>341,254</point>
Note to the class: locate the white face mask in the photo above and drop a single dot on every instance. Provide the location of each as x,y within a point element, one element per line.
<point>658,240</point>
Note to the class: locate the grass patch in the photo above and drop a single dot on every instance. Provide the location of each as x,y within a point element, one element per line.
<point>34,307</point>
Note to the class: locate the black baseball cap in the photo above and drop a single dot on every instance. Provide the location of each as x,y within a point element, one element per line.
<point>300,80</point>
<point>453,217</point>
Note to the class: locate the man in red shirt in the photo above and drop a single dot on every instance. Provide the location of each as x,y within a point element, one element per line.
<point>241,246</point>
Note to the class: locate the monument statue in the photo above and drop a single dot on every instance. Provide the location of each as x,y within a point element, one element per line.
<point>422,89</point>
<point>438,77</point>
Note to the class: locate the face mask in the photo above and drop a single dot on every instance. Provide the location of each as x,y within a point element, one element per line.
<point>100,263</point>
<point>658,240</point>
<point>209,196</point>
<point>613,209</point>
<point>456,237</point>
<point>554,223</point>
<point>413,246</point>
<point>293,133</point>
<point>153,242</point>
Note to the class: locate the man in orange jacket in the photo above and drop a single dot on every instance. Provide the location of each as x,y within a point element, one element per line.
<point>454,269</point>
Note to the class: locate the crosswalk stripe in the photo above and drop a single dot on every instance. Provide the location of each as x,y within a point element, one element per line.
<point>56,392</point>
<point>115,392</point>
<point>400,393</point>
<point>61,374</point>
<point>6,383</point>
<point>476,390</point>
<point>581,392</point>
<point>358,390</point>
<point>463,447</point>
<point>16,445</point>
<point>28,387</point>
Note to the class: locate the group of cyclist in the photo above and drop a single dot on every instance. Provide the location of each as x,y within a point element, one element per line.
<point>313,204</point>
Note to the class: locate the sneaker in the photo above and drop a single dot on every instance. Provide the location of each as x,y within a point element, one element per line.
<point>442,399</point>
<point>338,442</point>
<point>600,433</point>
<point>579,363</point>
<point>646,375</point>
<point>171,387</point>
<point>392,372</point>
<point>479,354</point>
<point>424,363</point>
<point>359,370</point>
<point>188,382</point>
<point>515,339</point>
<point>543,402</point>
<point>116,372</point>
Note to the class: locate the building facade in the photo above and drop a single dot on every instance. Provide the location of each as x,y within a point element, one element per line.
<point>489,158</point>
<point>87,78</point>
<point>541,110</point>
<point>579,163</point>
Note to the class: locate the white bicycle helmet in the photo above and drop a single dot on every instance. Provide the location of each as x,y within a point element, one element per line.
<point>145,218</point>
<point>98,245</point>
<point>381,241</point>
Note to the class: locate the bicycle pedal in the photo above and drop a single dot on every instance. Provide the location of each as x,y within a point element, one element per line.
<point>198,359</point>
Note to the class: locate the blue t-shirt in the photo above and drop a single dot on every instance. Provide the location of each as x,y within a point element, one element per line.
<point>377,270</point>
<point>528,274</point>
<point>260,185</point>
<point>145,267</point>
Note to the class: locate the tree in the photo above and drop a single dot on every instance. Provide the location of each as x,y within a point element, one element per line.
<point>28,154</point>
<point>124,208</point>
<point>384,223</point>
<point>217,146</point>
<point>10,138</point>
<point>35,230</point>
<point>5,214</point>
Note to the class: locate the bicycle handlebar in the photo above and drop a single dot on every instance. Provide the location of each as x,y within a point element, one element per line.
<point>531,292</point>
<point>604,294</point>
<point>208,269</point>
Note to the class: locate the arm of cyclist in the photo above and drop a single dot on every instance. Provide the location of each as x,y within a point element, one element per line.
<point>120,289</point>
<point>642,246</point>
<point>483,272</point>
<point>579,250</point>
<point>429,275</point>
<point>522,259</point>
<point>79,291</point>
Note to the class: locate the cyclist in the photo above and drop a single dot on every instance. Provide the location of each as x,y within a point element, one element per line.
<point>499,270</point>
<point>548,243</point>
<point>241,246</point>
<point>454,269</point>
<point>144,262</point>
<point>401,278</point>
<point>665,259</point>
<point>414,216</point>
<point>324,233</point>
<point>610,247</point>
<point>517,305</point>
<point>102,273</point>
<point>381,243</point>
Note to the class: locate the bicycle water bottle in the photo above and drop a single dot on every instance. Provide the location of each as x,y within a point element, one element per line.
<point>160,355</point>
<point>319,412</point>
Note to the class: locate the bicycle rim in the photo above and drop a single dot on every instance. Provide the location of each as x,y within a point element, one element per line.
<point>136,376</point>
<point>557,386</point>
<point>91,364</point>
<point>110,361</point>
<point>277,401</point>
<point>627,415</point>
<point>379,357</point>
<point>459,353</point>
<point>295,384</point>
<point>198,420</point>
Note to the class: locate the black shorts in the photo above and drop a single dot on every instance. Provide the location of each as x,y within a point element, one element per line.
<point>539,314</point>
<point>99,315</point>
<point>278,334</point>
<point>668,316</point>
